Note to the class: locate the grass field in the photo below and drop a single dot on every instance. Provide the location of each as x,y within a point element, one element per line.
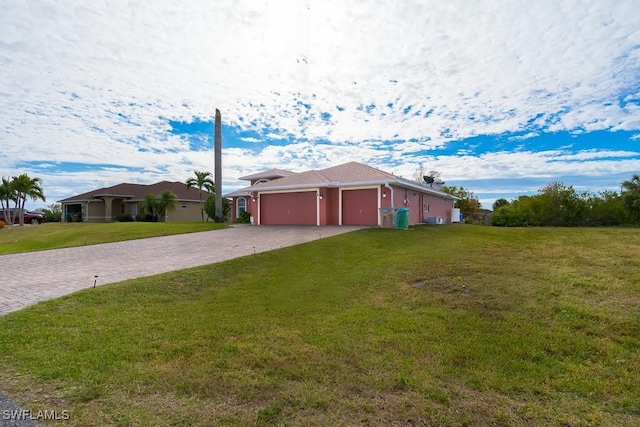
<point>61,235</point>
<point>443,325</point>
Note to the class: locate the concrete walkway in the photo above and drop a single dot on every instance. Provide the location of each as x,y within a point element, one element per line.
<point>28,278</point>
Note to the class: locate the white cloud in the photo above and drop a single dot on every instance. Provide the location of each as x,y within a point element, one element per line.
<point>97,82</point>
<point>250,139</point>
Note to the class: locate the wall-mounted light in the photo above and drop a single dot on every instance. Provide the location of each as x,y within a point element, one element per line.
<point>320,196</point>
<point>384,194</point>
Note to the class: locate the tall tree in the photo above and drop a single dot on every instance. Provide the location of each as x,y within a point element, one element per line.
<point>26,187</point>
<point>560,205</point>
<point>631,196</point>
<point>202,181</point>
<point>468,203</point>
<point>500,203</point>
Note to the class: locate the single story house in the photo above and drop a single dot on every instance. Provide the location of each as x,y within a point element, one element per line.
<point>106,204</point>
<point>347,194</point>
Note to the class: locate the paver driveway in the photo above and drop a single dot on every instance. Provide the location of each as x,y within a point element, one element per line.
<point>28,278</point>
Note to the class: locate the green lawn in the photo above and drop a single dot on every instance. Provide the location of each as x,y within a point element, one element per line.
<point>441,325</point>
<point>61,235</point>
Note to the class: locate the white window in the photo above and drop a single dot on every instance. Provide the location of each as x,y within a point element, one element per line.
<point>134,210</point>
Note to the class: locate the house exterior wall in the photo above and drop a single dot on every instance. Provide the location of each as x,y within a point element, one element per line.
<point>185,212</point>
<point>342,205</point>
<point>332,203</point>
<point>412,200</point>
<point>323,204</point>
<point>255,212</point>
<point>385,196</point>
<point>117,207</point>
<point>421,205</point>
<point>94,211</point>
<point>439,206</point>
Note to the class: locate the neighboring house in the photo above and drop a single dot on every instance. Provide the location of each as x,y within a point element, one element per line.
<point>106,204</point>
<point>348,194</point>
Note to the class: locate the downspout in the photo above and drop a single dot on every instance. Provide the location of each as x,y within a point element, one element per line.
<point>391,189</point>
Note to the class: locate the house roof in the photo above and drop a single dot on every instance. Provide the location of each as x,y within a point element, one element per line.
<point>137,192</point>
<point>345,175</point>
<point>268,174</point>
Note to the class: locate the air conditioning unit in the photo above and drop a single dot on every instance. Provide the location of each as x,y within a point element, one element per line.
<point>435,220</point>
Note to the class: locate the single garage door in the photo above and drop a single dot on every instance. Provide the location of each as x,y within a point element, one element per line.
<point>360,207</point>
<point>289,208</point>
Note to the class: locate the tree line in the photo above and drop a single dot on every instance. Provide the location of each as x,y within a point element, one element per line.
<point>563,206</point>
<point>555,205</point>
<point>14,193</point>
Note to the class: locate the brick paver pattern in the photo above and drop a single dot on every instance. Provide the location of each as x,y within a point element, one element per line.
<point>28,278</point>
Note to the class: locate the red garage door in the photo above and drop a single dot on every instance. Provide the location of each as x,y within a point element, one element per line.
<point>360,207</point>
<point>288,208</point>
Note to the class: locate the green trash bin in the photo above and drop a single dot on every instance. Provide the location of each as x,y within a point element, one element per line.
<point>402,218</point>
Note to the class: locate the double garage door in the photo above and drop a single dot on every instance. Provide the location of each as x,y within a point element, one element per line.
<point>359,207</point>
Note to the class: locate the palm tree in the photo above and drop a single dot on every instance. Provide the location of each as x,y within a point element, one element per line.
<point>631,195</point>
<point>7,194</point>
<point>166,201</point>
<point>201,181</point>
<point>25,187</point>
<point>149,205</point>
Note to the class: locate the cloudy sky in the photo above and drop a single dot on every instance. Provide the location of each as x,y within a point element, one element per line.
<point>501,97</point>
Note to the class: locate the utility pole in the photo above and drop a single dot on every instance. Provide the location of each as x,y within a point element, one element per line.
<point>217,148</point>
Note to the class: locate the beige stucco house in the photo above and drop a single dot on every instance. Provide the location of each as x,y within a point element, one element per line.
<point>106,204</point>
